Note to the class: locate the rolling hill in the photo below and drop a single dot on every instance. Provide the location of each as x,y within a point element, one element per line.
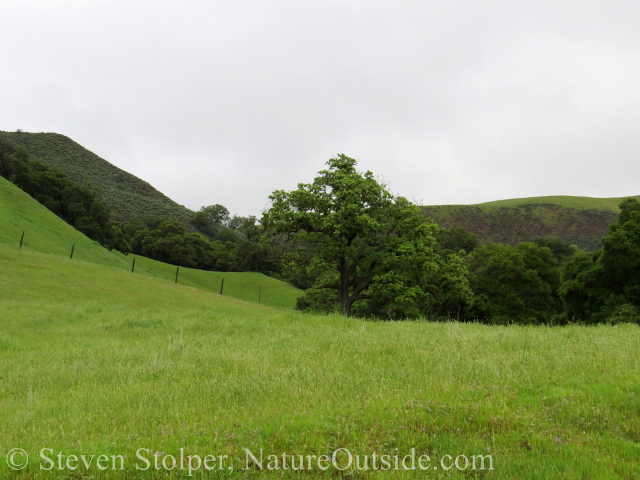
<point>580,221</point>
<point>125,195</point>
<point>46,233</point>
<point>97,361</point>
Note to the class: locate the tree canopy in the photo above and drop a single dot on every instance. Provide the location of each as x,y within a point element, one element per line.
<point>364,244</point>
<point>171,242</point>
<point>514,284</point>
<point>218,214</point>
<point>605,285</point>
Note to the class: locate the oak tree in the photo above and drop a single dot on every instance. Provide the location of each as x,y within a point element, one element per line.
<point>363,243</point>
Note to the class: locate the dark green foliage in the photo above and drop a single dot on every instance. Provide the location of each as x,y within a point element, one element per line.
<point>74,203</point>
<point>172,243</point>
<point>13,159</point>
<point>455,239</point>
<point>560,250</point>
<point>119,238</point>
<point>124,195</point>
<point>351,234</point>
<point>624,313</point>
<point>605,286</point>
<point>147,222</point>
<point>582,290</point>
<point>322,301</point>
<point>201,219</point>
<point>71,201</point>
<point>245,225</point>
<point>217,213</point>
<point>260,255</point>
<point>225,235</point>
<point>513,284</point>
<point>203,223</point>
<point>621,253</point>
<point>242,249</point>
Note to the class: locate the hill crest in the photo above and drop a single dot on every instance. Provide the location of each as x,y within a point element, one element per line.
<point>125,195</point>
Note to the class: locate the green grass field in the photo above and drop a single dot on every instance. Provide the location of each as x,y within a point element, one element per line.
<point>45,232</point>
<point>97,361</point>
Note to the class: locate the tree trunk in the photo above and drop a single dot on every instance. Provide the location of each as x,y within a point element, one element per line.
<point>345,304</point>
<point>345,301</point>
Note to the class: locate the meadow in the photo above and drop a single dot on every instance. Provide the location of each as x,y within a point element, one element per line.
<point>46,233</point>
<point>95,361</point>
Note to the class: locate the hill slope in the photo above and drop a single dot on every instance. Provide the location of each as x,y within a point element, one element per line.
<point>97,361</point>
<point>45,232</point>
<point>125,195</point>
<point>580,221</point>
<point>580,203</point>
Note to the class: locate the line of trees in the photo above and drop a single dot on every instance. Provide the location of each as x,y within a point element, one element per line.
<point>209,243</point>
<point>372,254</point>
<point>212,241</point>
<point>356,249</point>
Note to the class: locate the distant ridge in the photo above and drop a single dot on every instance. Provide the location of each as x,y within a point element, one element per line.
<point>581,221</point>
<point>610,203</point>
<point>126,196</point>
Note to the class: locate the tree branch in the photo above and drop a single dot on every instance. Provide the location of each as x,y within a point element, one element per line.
<point>360,297</point>
<point>320,287</point>
<point>360,288</point>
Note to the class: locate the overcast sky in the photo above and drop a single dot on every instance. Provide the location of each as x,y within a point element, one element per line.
<point>225,101</point>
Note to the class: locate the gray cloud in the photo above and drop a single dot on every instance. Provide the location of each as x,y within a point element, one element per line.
<point>223,102</point>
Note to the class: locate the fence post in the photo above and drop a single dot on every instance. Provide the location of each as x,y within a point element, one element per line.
<point>134,264</point>
<point>177,270</point>
<point>72,249</point>
<point>21,239</point>
<point>260,295</point>
<point>221,286</point>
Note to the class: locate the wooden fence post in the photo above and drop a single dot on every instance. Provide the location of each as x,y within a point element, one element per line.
<point>221,286</point>
<point>21,239</point>
<point>134,264</point>
<point>72,249</point>
<point>177,270</point>
<point>260,295</point>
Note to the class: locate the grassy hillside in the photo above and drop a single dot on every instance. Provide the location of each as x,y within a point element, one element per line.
<point>98,361</point>
<point>126,196</point>
<point>581,221</point>
<point>582,203</point>
<point>45,232</point>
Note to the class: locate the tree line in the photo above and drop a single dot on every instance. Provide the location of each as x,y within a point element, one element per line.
<point>375,255</point>
<point>356,249</point>
<point>212,240</point>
